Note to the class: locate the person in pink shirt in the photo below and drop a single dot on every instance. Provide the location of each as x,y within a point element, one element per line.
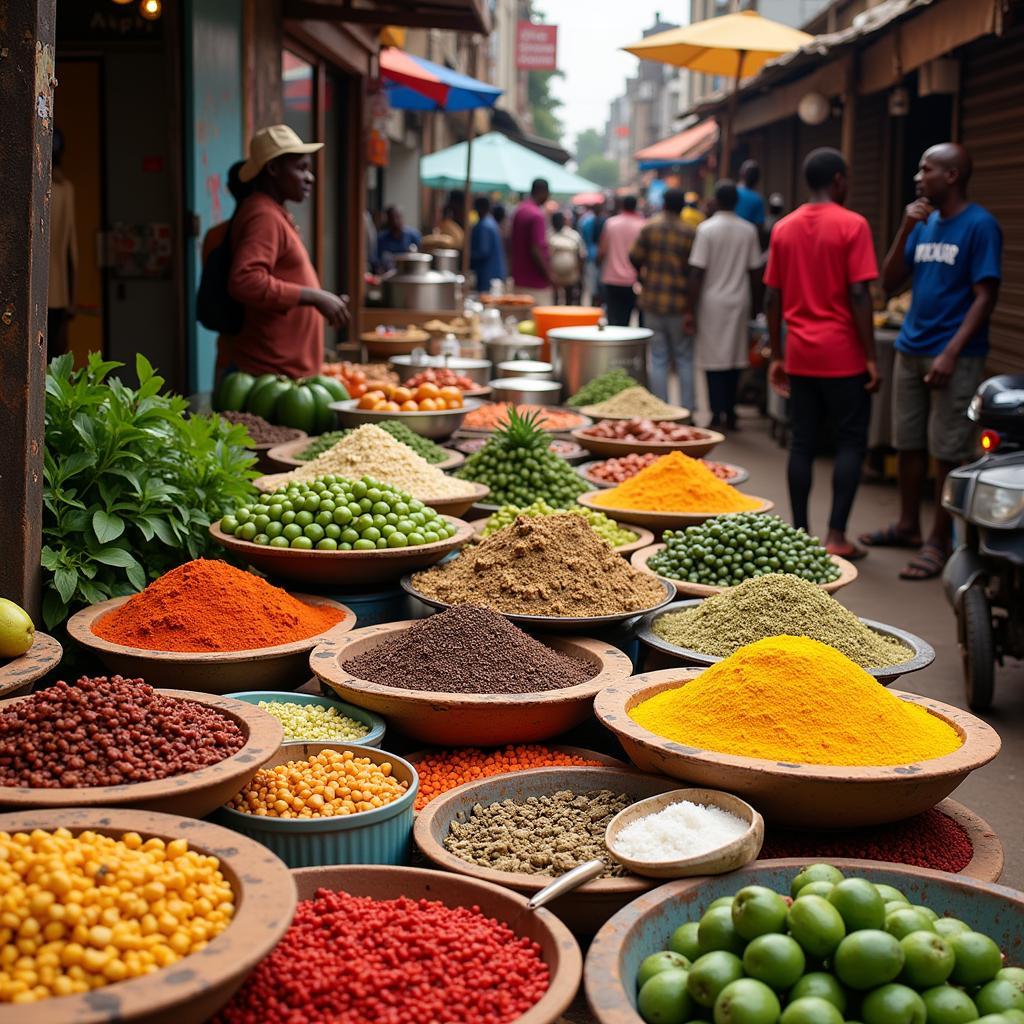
<point>529,259</point>
<point>618,275</point>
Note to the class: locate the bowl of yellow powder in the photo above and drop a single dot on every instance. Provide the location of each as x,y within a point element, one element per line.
<point>796,728</point>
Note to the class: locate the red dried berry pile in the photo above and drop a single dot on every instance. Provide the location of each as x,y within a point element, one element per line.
<point>353,959</point>
<point>107,732</point>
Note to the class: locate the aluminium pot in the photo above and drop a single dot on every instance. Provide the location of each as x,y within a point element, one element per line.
<point>532,368</point>
<point>510,348</point>
<point>524,391</point>
<point>414,285</point>
<point>477,370</point>
<point>447,261</point>
<point>580,354</point>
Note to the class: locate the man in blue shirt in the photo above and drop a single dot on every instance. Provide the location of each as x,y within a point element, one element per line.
<point>750,205</point>
<point>953,249</point>
<point>486,247</point>
<point>395,239</point>
<point>589,227</point>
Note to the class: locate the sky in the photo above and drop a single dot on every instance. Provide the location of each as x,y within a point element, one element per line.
<point>590,33</point>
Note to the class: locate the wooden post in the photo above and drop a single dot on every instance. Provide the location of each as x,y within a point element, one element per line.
<point>467,201</point>
<point>849,110</point>
<point>727,132</point>
<point>26,132</point>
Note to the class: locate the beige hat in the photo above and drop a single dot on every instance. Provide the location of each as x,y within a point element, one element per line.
<point>272,142</point>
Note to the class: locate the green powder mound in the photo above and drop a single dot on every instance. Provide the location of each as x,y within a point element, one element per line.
<point>775,605</point>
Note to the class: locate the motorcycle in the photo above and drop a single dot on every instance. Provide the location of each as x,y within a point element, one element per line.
<point>984,578</point>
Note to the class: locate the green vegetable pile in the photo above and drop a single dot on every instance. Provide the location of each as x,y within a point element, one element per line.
<point>600,388</point>
<point>131,483</point>
<point>519,468</point>
<point>331,513</point>
<point>433,453</point>
<point>302,404</point>
<point>607,529</point>
<point>844,950</point>
<point>729,549</point>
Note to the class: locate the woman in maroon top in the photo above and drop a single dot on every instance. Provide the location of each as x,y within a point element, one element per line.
<point>271,273</point>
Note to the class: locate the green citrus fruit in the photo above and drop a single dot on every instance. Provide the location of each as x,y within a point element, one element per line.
<point>821,985</point>
<point>747,1001</point>
<point>948,1005</point>
<point>684,941</point>
<point>664,999</point>
<point>890,894</point>
<point>658,962</point>
<point>909,919</point>
<point>711,973</point>
<point>757,910</point>
<point>858,903</point>
<point>716,931</point>
<point>810,1010</point>
<point>977,958</point>
<point>928,960</point>
<point>867,959</point>
<point>893,1004</point>
<point>994,1018</point>
<point>1014,974</point>
<point>1013,1016</point>
<point>816,889</point>
<point>816,925</point>
<point>815,873</point>
<point>927,911</point>
<point>947,926</point>
<point>17,633</point>
<point>999,995</point>
<point>722,901</point>
<point>777,960</point>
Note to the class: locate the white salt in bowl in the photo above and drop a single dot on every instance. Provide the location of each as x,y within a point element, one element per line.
<point>727,857</point>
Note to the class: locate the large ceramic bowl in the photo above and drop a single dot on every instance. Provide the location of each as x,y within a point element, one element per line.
<point>283,457</point>
<point>441,423</point>
<point>558,948</point>
<point>605,447</point>
<point>738,476</point>
<point>374,723</point>
<point>469,719</point>
<point>194,794</point>
<point>659,521</point>
<point>192,990</point>
<point>263,668</point>
<point>18,674</point>
<point>645,925</point>
<point>801,795</point>
<point>584,909</point>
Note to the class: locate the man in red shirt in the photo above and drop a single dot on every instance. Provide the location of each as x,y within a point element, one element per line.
<point>529,260</point>
<point>820,263</point>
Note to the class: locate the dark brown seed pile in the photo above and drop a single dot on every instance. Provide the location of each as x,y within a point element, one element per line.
<point>107,732</point>
<point>468,650</point>
<point>260,430</point>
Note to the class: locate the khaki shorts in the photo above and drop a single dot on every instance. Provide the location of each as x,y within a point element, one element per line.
<point>924,419</point>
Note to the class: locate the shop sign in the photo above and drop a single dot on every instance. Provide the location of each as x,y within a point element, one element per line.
<point>536,47</point>
<point>377,149</point>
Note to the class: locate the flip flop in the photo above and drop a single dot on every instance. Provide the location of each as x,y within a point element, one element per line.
<point>889,537</point>
<point>851,554</point>
<point>928,564</point>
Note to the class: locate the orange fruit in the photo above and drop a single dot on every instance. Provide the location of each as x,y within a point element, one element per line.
<point>428,405</point>
<point>370,399</point>
<point>400,395</point>
<point>427,390</point>
<point>409,406</point>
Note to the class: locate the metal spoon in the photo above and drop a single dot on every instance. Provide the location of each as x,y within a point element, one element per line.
<point>566,883</point>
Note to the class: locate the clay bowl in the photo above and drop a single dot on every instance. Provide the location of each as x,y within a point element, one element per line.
<point>728,857</point>
<point>282,456</point>
<point>676,417</point>
<point>437,424</point>
<point>643,537</point>
<point>558,948</point>
<point>920,653</point>
<point>192,990</point>
<point>584,909</point>
<point>644,926</point>
<point>659,521</point>
<point>739,474</point>
<point>847,574</point>
<point>350,568</point>
<point>801,795</point>
<point>281,667</point>
<point>18,674</point>
<point>469,719</point>
<point>264,460</point>
<point>193,795</point>
<point>568,450</point>
<point>606,447</point>
<point>401,343</point>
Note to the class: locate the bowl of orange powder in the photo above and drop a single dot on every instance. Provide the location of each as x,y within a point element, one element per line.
<point>210,627</point>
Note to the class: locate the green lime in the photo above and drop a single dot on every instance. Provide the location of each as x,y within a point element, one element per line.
<point>722,901</point>
<point>684,941</point>
<point>664,999</point>
<point>947,926</point>
<point>816,925</point>
<point>858,903</point>
<point>902,922</point>
<point>948,1005</point>
<point>658,962</point>
<point>927,911</point>
<point>757,910</point>
<point>893,1004</point>
<point>711,973</point>
<point>810,1010</point>
<point>777,960</point>
<point>817,889</point>
<point>867,959</point>
<point>977,958</point>
<point>815,873</point>
<point>820,985</point>
<point>747,1001</point>
<point>1013,1016</point>
<point>1014,974</point>
<point>928,960</point>
<point>994,1018</point>
<point>716,931</point>
<point>890,894</point>
<point>999,995</point>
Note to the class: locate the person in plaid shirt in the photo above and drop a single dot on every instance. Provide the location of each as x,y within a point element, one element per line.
<point>661,255</point>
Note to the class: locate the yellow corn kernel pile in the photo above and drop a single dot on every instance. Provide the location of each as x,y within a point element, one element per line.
<point>80,912</point>
<point>330,783</point>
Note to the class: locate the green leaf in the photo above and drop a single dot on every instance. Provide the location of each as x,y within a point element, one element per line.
<point>66,582</point>
<point>54,609</point>
<point>106,526</point>
<point>137,576</point>
<point>163,531</point>
<point>92,592</point>
<point>49,558</point>
<point>114,556</point>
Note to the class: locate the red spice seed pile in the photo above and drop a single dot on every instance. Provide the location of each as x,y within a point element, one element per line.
<point>107,732</point>
<point>354,960</point>
<point>928,840</point>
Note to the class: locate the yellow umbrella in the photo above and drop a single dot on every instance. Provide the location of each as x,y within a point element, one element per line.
<point>737,45</point>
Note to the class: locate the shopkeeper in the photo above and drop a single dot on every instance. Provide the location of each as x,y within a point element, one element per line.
<point>271,273</point>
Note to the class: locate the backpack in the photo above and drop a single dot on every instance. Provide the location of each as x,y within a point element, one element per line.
<point>565,256</point>
<point>215,308</point>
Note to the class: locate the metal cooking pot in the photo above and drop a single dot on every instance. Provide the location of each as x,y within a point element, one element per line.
<point>580,354</point>
<point>508,348</point>
<point>446,260</point>
<point>523,390</point>
<point>478,370</point>
<point>531,368</point>
<point>413,285</point>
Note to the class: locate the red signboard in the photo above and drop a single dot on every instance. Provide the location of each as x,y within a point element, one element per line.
<point>536,47</point>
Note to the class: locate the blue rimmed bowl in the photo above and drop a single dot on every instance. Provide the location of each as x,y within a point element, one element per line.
<point>374,723</point>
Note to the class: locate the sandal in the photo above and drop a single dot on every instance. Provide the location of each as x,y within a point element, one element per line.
<point>928,564</point>
<point>851,553</point>
<point>889,537</point>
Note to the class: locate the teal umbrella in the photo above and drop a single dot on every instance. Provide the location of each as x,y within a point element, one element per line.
<point>497,164</point>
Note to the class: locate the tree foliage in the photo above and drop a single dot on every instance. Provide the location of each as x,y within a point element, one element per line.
<point>600,170</point>
<point>589,143</point>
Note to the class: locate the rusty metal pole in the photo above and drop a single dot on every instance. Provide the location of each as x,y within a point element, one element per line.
<point>26,130</point>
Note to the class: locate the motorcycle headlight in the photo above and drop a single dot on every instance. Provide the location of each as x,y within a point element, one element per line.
<point>974,409</point>
<point>996,505</point>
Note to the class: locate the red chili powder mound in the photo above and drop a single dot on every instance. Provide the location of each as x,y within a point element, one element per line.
<point>207,605</point>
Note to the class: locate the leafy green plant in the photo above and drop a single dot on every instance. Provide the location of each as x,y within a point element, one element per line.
<point>131,482</point>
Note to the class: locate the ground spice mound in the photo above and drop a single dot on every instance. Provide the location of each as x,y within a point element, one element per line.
<point>774,605</point>
<point>207,605</point>
<point>468,650</point>
<point>549,565</point>
<point>634,402</point>
<point>795,700</point>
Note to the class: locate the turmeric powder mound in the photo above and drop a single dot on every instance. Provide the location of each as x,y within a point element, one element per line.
<point>793,699</point>
<point>676,483</point>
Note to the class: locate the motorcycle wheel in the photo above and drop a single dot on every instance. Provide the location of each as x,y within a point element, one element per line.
<point>978,649</point>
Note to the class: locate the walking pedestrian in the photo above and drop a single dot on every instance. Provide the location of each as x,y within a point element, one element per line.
<point>724,265</point>
<point>952,249</point>
<point>528,246</point>
<point>395,239</point>
<point>661,256</point>
<point>567,257</point>
<point>692,214</point>
<point>590,227</point>
<point>820,265</point>
<point>750,204</point>
<point>486,247</point>
<point>271,273</point>
<point>618,275</point>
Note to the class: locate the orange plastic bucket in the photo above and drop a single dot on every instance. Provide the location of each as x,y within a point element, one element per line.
<point>547,317</point>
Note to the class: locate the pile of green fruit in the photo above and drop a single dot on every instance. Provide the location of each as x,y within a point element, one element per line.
<point>302,404</point>
<point>607,529</point>
<point>518,466</point>
<point>726,550</point>
<point>332,513</point>
<point>423,446</point>
<point>600,388</point>
<point>837,949</point>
